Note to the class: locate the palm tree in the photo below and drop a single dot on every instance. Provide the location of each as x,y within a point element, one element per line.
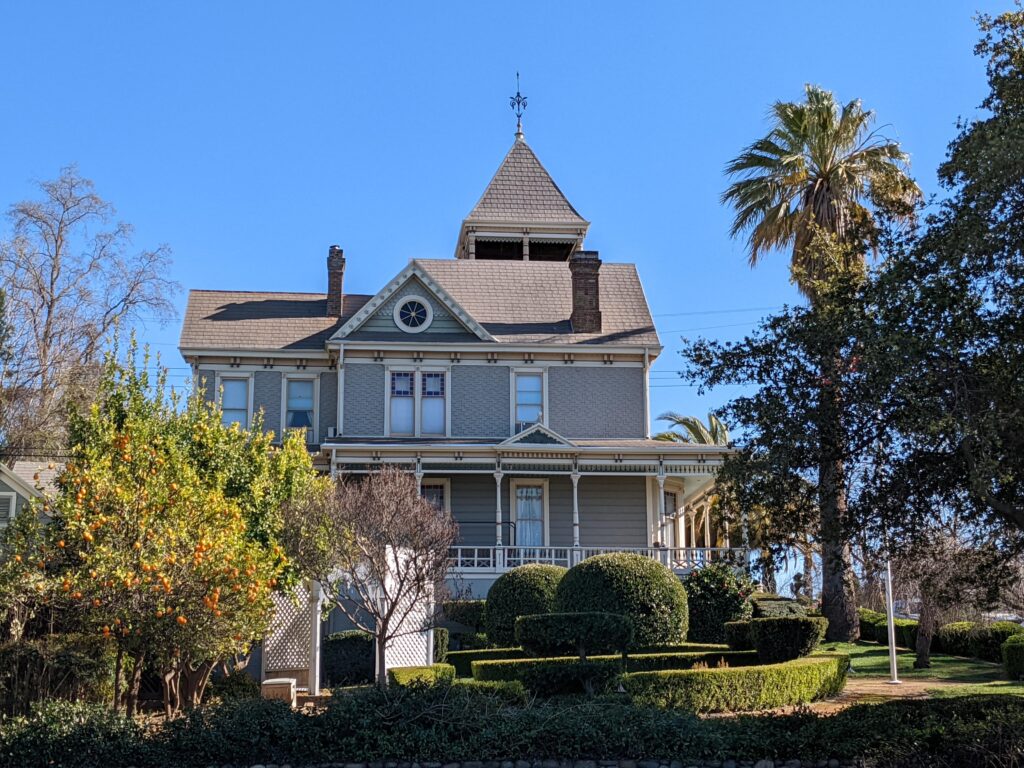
<point>821,169</point>
<point>694,430</point>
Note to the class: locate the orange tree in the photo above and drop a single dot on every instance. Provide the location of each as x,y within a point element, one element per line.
<point>165,530</point>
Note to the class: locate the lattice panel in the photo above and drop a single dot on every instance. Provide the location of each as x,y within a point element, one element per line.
<point>413,647</point>
<point>288,644</point>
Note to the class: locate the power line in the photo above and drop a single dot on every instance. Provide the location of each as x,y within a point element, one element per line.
<point>717,311</point>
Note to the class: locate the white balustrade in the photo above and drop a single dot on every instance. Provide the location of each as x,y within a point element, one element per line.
<point>492,559</point>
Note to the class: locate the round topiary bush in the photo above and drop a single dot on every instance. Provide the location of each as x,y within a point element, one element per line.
<point>552,634</point>
<point>955,638</point>
<point>786,637</point>
<point>630,585</point>
<point>522,591</point>
<point>716,594</point>
<point>1013,657</point>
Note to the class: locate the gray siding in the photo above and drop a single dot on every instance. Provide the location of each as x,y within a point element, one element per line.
<point>480,401</point>
<point>443,327</point>
<point>585,401</point>
<point>613,510</point>
<point>207,381</point>
<point>364,400</point>
<point>328,402</point>
<point>266,394</point>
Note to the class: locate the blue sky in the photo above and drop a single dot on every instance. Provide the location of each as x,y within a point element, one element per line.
<point>249,137</point>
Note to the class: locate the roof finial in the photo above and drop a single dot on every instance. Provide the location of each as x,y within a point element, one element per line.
<point>518,104</point>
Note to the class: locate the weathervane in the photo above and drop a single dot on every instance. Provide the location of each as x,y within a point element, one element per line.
<point>518,104</point>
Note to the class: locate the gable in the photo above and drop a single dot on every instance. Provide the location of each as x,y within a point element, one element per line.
<point>538,434</point>
<point>378,320</point>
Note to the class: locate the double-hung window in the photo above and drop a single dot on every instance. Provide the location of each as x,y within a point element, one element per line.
<point>417,403</point>
<point>299,405</point>
<point>234,402</point>
<point>436,492</point>
<point>529,405</point>
<point>7,503</point>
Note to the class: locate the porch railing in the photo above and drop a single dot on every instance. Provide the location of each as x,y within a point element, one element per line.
<point>491,559</point>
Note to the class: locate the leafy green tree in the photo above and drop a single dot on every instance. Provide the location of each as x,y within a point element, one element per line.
<point>693,430</point>
<point>815,186</point>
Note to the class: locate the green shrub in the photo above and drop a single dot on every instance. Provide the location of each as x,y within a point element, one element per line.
<point>737,635</point>
<point>552,634</point>
<point>765,606</point>
<point>716,594</point>
<point>236,685</point>
<point>740,689</point>
<point>432,675</point>
<point>630,585</point>
<point>572,676</point>
<point>468,641</point>
<point>988,639</point>
<point>347,658</point>
<point>870,621</point>
<point>1013,656</point>
<point>785,638</point>
<point>440,644</point>
<point>955,638</point>
<point>62,666</point>
<point>510,692</point>
<point>906,633</point>
<point>468,613</point>
<point>525,590</point>
<point>463,660</point>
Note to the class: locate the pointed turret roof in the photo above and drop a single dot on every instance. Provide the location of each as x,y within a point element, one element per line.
<point>523,191</point>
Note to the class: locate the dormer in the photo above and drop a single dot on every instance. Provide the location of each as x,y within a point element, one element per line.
<point>522,215</point>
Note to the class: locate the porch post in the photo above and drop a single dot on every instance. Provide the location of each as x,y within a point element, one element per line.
<point>575,476</point>
<point>661,508</point>
<point>315,599</point>
<point>497,495</point>
<point>681,515</point>
<point>693,532</point>
<point>707,526</point>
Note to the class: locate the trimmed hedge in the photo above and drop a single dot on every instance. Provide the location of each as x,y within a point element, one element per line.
<point>786,638</point>
<point>737,635</point>
<point>767,606</point>
<point>1013,656</point>
<point>955,638</point>
<point>740,689</point>
<point>347,658</point>
<point>440,644</point>
<point>548,634</point>
<point>463,723</point>
<point>463,660</point>
<point>716,594</point>
<point>987,640</point>
<point>906,633</point>
<point>468,613</point>
<point>468,641</point>
<point>872,624</point>
<point>510,692</point>
<point>630,585</point>
<point>432,675</point>
<point>523,591</point>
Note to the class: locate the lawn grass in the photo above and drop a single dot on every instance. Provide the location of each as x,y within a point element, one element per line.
<point>956,675</point>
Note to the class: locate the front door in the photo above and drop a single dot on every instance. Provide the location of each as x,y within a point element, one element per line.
<point>530,515</point>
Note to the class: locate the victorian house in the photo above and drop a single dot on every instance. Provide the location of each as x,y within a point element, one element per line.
<point>512,380</point>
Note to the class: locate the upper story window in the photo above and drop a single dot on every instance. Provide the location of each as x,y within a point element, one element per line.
<point>234,402</point>
<point>413,314</point>
<point>300,410</point>
<point>529,400</point>
<point>7,502</point>
<point>418,403</point>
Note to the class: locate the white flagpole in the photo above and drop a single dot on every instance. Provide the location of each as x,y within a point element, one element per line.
<point>894,677</point>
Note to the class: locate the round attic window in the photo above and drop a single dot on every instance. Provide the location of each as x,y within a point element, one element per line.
<point>413,314</point>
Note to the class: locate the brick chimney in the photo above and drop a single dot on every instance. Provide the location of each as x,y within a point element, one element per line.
<point>335,280</point>
<point>586,299</point>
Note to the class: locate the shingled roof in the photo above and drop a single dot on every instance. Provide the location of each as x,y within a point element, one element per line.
<point>516,302</point>
<point>523,190</point>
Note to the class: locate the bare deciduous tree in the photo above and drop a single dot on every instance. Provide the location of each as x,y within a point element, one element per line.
<point>70,276</point>
<point>377,548</point>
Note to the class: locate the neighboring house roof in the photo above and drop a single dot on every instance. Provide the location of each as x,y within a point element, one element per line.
<point>522,189</point>
<point>256,321</point>
<point>22,477</point>
<point>514,302</point>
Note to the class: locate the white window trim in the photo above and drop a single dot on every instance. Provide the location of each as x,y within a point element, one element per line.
<point>315,378</point>
<point>417,396</point>
<point>542,372</point>
<point>406,299</point>
<point>14,506</point>
<point>446,483</point>
<point>524,482</point>
<point>248,378</point>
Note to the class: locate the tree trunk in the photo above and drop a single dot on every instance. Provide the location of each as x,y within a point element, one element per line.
<point>118,672</point>
<point>134,683</point>
<point>838,597</point>
<point>169,678</point>
<point>382,675</point>
<point>193,683</point>
<point>767,564</point>
<point>925,631</point>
